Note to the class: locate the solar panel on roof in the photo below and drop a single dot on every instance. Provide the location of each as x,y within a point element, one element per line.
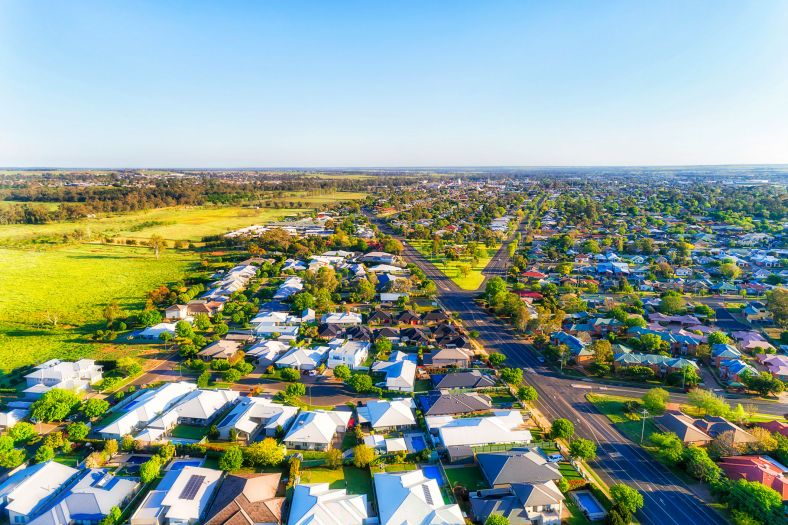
<point>427,494</point>
<point>191,487</point>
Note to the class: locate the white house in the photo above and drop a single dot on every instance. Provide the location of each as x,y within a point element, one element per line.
<point>67,375</point>
<point>26,492</point>
<point>400,372</point>
<point>89,500</point>
<point>315,430</point>
<point>342,318</point>
<point>396,414</point>
<point>198,408</point>
<point>317,504</point>
<point>350,353</point>
<point>254,416</point>
<point>411,498</point>
<point>144,408</point>
<point>302,358</point>
<point>504,426</point>
<point>291,286</point>
<point>12,417</point>
<point>181,498</point>
<point>266,352</point>
<point>155,331</point>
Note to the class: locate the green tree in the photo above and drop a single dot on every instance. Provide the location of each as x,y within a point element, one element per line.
<point>777,304</point>
<point>231,376</point>
<point>151,469</point>
<point>112,518</point>
<point>562,428</point>
<point>22,431</point>
<point>496,519</point>
<point>656,400</point>
<point>669,446</point>
<point>290,374</point>
<point>699,465</point>
<point>342,372</point>
<point>627,497</point>
<point>671,304</point>
<point>718,338</point>
<point>383,346</point>
<point>360,383</point>
<point>494,287</point>
<point>496,359</point>
<point>265,453</point>
<point>44,454</point>
<point>54,405</point>
<point>77,431</point>
<point>527,393</point>
<point>94,407</point>
<point>334,458</point>
<point>756,499</point>
<point>763,383</point>
<point>363,455</point>
<point>302,301</point>
<point>708,403</point>
<point>232,459</point>
<point>512,376</point>
<point>730,270</point>
<point>584,449</point>
<point>111,447</point>
<point>158,244</point>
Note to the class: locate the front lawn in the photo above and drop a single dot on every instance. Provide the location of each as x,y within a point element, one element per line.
<point>469,477</point>
<point>568,471</point>
<point>629,424</point>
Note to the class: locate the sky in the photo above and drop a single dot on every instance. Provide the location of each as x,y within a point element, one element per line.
<point>424,83</point>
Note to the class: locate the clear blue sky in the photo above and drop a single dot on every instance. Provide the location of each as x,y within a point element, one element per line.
<point>334,83</point>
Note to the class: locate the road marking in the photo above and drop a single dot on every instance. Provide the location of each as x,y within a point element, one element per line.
<point>586,387</point>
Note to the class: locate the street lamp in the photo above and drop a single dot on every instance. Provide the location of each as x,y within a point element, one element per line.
<point>643,426</point>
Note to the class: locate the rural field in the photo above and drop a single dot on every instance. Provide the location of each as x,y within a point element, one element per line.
<point>472,281</point>
<point>177,222</point>
<point>72,284</point>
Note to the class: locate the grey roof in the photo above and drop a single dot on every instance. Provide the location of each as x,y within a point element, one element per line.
<point>472,379</point>
<point>449,404</point>
<point>516,466</point>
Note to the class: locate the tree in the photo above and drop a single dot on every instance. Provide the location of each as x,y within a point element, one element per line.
<point>603,351</point>
<point>496,359</point>
<point>334,458</point>
<point>724,445</point>
<point>360,383</point>
<point>527,393</point>
<point>323,301</point>
<point>342,372</point>
<point>150,470</point>
<point>763,382</point>
<point>149,317</point>
<point>656,400</point>
<point>158,244</point>
<point>232,459</point>
<point>494,287</point>
<point>464,269</point>
<point>221,329</point>
<point>652,343</point>
<point>765,442</point>
<point>265,453</point>
<point>44,454</point>
<point>295,390</point>
<point>54,405</point>
<point>730,270</point>
<point>202,321</point>
<point>564,268</point>
<point>183,329</point>
<point>671,304</point>
<point>94,407</point>
<point>562,428</point>
<point>756,499</point>
<point>112,518</point>
<point>111,312</point>
<point>707,402</point>
<point>777,304</point>
<point>302,301</point>
<point>584,449</point>
<point>363,455</point>
<point>627,497</point>
<point>496,519</point>
<point>699,465</point>
<point>669,446</point>
<point>383,346</point>
<point>718,338</point>
<point>290,374</point>
<point>512,376</point>
<point>12,458</point>
<point>77,431</point>
<point>111,447</point>
<point>22,431</point>
<point>231,376</point>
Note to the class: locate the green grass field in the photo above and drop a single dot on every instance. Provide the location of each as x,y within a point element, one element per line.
<point>629,424</point>
<point>73,283</point>
<point>355,480</point>
<point>178,222</point>
<point>472,281</point>
<point>469,477</point>
<point>189,432</point>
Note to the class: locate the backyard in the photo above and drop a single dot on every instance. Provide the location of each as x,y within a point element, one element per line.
<point>469,477</point>
<point>355,480</point>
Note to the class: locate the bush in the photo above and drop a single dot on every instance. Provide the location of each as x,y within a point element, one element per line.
<point>290,374</point>
<point>232,459</point>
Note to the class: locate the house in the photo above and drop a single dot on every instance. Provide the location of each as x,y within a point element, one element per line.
<point>449,357</point>
<point>776,365</point>
<point>317,504</point>
<point>440,404</point>
<point>379,258</point>
<point>203,306</point>
<point>379,317</point>
<point>316,429</point>
<point>26,492</point>
<point>733,369</point>
<point>411,498</point>
<point>518,465</point>
<point>392,334</point>
<point>265,353</point>
<point>396,414</point>
<point>221,349</point>
<point>144,408</point>
<point>577,348</point>
<point>407,317</point>
<point>715,425</point>
<point>342,318</point>
<point>176,312</point>
<point>65,375</point>
<point>522,504</point>
<point>291,286</point>
<point>503,427</point>
<point>435,316</point>
<point>155,331</point>
<point>11,417</point>
<point>256,416</point>
<point>683,426</point>
<point>182,497</point>
<point>775,426</point>
<point>349,353</point>
<point>762,469</point>
<point>196,408</point>
<point>472,380</point>
<point>399,370</point>
<point>90,500</point>
<point>303,358</point>
<point>247,499</point>
<point>723,352</point>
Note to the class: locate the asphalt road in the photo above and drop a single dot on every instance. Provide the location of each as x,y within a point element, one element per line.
<point>668,500</point>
